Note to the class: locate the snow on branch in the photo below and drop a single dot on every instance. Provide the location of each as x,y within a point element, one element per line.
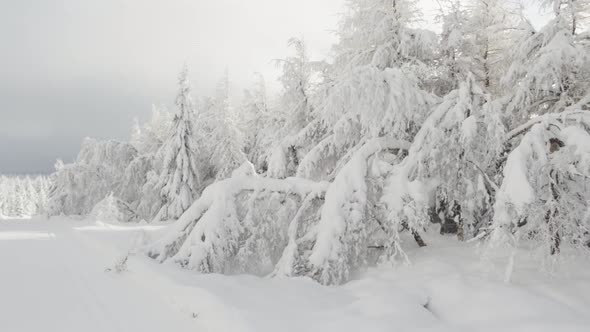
<point>442,169</point>
<point>262,225</point>
<point>579,116</point>
<point>342,230</point>
<point>220,231</point>
<point>544,196</point>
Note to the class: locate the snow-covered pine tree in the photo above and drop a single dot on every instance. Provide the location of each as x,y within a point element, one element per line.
<point>42,186</point>
<point>225,139</point>
<point>180,177</point>
<point>258,124</point>
<point>31,198</point>
<point>3,196</point>
<point>22,196</point>
<point>19,200</point>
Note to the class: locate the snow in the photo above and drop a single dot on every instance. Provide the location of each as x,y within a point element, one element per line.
<point>25,235</point>
<point>246,169</point>
<point>53,279</point>
<point>59,283</point>
<point>579,139</point>
<point>515,187</point>
<point>516,193</point>
<point>469,128</point>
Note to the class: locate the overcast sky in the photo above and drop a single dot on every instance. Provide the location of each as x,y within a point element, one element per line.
<point>76,68</point>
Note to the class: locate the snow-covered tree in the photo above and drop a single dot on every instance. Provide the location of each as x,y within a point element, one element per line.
<point>258,124</point>
<point>31,200</point>
<point>475,40</point>
<point>296,80</point>
<point>98,169</point>
<point>42,186</point>
<point>348,223</point>
<point>139,184</point>
<point>380,33</point>
<point>544,197</point>
<point>22,196</point>
<point>241,224</point>
<point>483,129</point>
<point>294,226</point>
<point>352,138</point>
<point>374,91</point>
<point>550,70</point>
<point>180,178</point>
<point>448,171</point>
<point>149,137</point>
<point>226,141</point>
<point>295,111</point>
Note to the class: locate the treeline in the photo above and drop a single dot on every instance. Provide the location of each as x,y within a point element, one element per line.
<point>23,196</point>
<point>482,131</point>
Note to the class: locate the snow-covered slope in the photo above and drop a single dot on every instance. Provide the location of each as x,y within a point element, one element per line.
<point>53,279</point>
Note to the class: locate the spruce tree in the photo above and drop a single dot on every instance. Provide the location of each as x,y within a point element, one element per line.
<point>180,178</point>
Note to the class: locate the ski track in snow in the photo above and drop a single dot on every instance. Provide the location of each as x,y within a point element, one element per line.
<point>53,279</point>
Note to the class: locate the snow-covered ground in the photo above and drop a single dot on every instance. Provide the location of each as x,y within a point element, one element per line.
<point>54,278</point>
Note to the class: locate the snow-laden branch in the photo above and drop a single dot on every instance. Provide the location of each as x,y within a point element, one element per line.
<point>573,116</point>
<point>342,230</point>
<point>215,230</point>
<point>257,225</point>
<point>544,195</point>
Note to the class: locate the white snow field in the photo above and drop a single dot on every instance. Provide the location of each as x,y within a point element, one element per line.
<point>54,277</point>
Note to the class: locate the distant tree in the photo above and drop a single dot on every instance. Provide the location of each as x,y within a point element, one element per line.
<point>258,123</point>
<point>295,110</point>
<point>149,137</point>
<point>225,140</point>
<point>98,169</point>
